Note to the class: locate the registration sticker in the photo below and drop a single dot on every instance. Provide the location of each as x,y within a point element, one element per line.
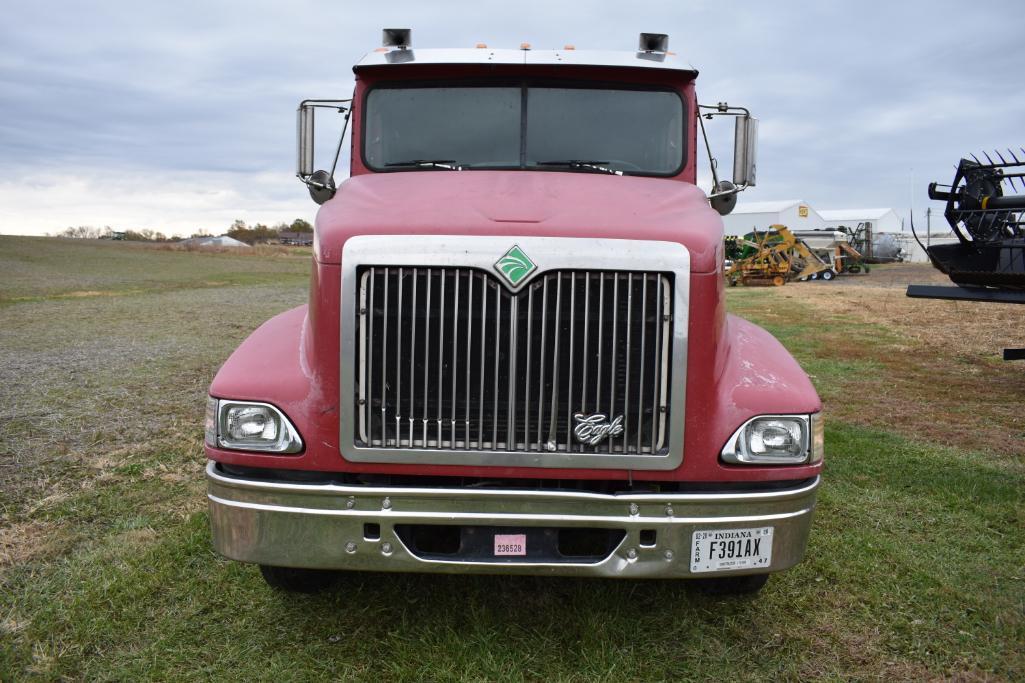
<point>510,544</point>
<point>719,550</point>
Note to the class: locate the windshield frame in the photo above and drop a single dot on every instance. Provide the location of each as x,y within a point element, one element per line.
<point>524,83</point>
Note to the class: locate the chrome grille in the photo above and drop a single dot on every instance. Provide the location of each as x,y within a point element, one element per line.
<point>450,359</point>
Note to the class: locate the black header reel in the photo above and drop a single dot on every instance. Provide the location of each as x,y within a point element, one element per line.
<point>986,211</point>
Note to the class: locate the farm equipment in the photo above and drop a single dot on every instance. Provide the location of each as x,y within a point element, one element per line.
<point>873,247</point>
<point>990,251</point>
<point>987,213</point>
<point>836,248</point>
<point>846,259</point>
<point>773,258</point>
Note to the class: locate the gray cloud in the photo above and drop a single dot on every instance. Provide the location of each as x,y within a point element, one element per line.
<point>857,101</point>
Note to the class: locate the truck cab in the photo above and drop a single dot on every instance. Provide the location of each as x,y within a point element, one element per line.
<point>516,356</point>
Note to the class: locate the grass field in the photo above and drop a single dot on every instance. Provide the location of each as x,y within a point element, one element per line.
<point>915,570</point>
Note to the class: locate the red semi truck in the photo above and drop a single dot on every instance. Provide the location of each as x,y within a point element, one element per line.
<point>516,356</point>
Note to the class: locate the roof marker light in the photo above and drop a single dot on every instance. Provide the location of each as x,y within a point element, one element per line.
<point>524,46</point>
<point>569,47</point>
<point>482,46</point>
<point>654,42</point>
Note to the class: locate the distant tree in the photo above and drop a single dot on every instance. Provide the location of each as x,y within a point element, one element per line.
<point>257,233</point>
<point>85,232</point>
<point>202,232</point>
<point>299,225</point>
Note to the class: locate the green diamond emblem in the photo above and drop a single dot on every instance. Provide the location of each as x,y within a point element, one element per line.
<point>515,266</point>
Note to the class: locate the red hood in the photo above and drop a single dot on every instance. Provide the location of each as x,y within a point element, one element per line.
<point>516,203</point>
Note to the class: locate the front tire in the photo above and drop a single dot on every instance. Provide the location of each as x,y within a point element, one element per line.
<point>296,580</point>
<point>731,585</point>
<point>828,275</point>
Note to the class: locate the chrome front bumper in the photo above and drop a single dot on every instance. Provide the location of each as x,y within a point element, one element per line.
<point>322,525</point>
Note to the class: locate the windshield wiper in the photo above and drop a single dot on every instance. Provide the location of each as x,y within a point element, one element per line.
<point>447,164</point>
<point>599,166</point>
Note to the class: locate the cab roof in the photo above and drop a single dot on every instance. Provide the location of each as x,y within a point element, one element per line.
<point>664,61</point>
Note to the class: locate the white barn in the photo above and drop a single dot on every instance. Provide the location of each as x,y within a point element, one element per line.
<point>793,213</point>
<point>882,220</point>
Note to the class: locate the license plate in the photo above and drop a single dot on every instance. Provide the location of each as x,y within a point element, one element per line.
<point>718,550</point>
<point>510,544</point>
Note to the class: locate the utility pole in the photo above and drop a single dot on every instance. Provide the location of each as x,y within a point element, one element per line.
<point>928,226</point>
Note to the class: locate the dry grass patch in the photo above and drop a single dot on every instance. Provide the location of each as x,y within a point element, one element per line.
<point>27,541</point>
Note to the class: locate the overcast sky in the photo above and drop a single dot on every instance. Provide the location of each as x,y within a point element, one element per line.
<point>180,116</point>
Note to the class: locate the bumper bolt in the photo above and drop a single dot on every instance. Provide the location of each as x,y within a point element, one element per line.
<point>669,555</point>
<point>634,510</point>
<point>669,510</point>
<point>350,503</point>
<point>631,554</point>
<point>350,547</point>
<point>386,504</point>
<point>386,548</point>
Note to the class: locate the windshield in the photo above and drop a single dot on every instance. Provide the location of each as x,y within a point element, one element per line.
<point>587,129</point>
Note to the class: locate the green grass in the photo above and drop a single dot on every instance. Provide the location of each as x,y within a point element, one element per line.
<point>915,569</point>
<point>40,267</point>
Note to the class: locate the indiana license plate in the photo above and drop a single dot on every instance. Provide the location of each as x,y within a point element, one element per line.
<point>719,550</point>
<point>510,544</point>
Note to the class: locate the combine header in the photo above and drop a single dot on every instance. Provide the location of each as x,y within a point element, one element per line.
<point>988,223</point>
<point>985,210</point>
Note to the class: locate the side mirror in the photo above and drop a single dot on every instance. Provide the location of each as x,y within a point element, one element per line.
<point>724,197</point>
<point>745,144</point>
<point>320,183</point>
<point>304,141</point>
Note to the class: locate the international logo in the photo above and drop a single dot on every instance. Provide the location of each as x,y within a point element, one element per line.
<point>593,429</point>
<point>515,266</point>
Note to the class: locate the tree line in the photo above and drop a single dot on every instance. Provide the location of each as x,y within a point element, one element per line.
<point>255,234</point>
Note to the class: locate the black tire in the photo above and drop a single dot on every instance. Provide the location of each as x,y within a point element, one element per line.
<point>828,275</point>
<point>296,580</point>
<point>731,585</point>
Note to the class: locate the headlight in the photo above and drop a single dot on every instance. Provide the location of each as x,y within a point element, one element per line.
<point>776,440</point>
<point>250,426</point>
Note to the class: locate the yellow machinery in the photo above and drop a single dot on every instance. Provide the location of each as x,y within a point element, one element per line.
<point>779,257</point>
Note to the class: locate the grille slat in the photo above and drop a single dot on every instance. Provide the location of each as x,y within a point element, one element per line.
<point>572,356</point>
<point>498,337</point>
<point>441,351</point>
<point>640,390</point>
<point>544,358</point>
<point>626,374</point>
<point>515,369</point>
<point>553,414</point>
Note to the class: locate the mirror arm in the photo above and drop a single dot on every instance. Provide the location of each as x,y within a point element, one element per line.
<point>733,190</point>
<point>723,109</point>
<point>341,139</point>
<point>711,160</point>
